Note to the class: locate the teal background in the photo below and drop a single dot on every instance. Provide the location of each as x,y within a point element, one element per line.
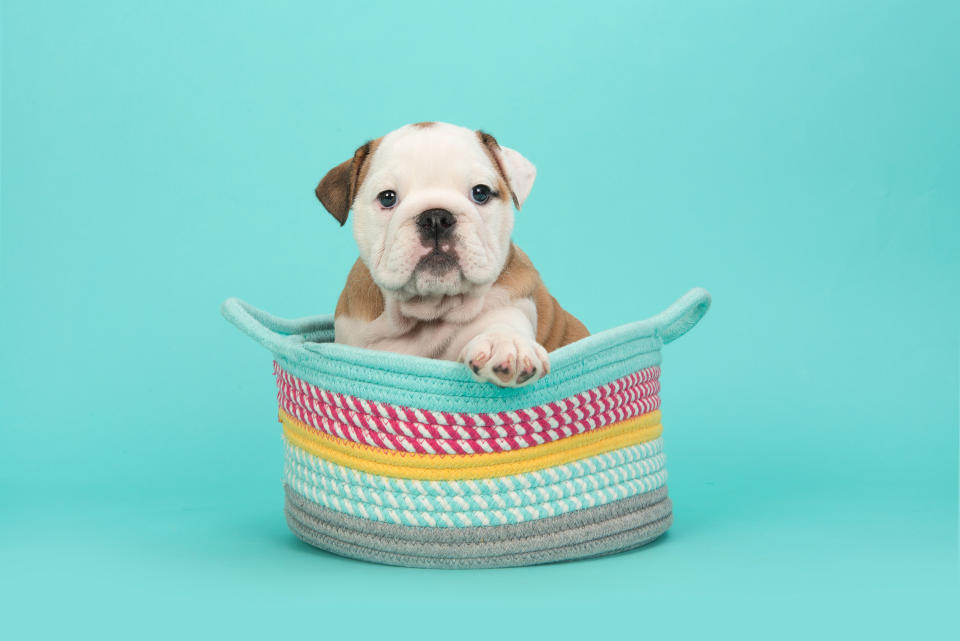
<point>800,160</point>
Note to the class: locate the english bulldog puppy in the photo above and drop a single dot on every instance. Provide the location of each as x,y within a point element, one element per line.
<point>438,275</point>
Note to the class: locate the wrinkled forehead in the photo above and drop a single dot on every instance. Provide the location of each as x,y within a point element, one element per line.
<point>432,153</point>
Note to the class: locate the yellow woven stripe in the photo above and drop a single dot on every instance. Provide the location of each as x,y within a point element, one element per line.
<point>412,459</point>
<point>439,467</point>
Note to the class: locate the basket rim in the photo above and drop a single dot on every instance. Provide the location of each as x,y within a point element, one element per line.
<point>304,347</point>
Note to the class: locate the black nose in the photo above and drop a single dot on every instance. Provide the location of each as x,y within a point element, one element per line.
<point>435,224</point>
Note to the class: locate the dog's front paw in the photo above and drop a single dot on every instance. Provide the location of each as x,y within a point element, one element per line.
<point>505,360</point>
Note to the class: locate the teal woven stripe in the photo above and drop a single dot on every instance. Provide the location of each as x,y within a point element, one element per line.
<point>552,475</point>
<point>428,511</point>
<point>478,501</point>
<point>478,518</point>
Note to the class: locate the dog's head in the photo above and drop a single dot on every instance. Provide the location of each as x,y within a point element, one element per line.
<point>433,207</point>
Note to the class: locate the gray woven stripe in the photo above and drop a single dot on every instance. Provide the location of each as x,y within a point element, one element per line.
<point>598,547</point>
<point>467,535</point>
<point>534,542</point>
<point>481,547</point>
<point>479,541</point>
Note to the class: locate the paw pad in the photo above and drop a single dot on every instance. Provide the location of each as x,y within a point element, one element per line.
<point>504,370</point>
<point>527,372</point>
<point>505,360</point>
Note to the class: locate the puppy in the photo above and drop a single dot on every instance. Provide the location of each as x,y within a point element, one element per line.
<point>438,275</point>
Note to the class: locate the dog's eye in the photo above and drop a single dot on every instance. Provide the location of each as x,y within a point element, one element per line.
<point>480,193</point>
<point>387,198</point>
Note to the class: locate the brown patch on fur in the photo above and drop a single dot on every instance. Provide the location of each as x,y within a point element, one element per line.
<point>503,188</point>
<point>360,298</point>
<point>424,124</point>
<point>556,326</point>
<point>491,146</point>
<point>339,187</point>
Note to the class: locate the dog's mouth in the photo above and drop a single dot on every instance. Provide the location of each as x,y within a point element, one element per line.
<point>438,262</point>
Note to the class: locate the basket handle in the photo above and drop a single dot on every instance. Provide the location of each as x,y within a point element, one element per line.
<point>277,334</point>
<point>683,315</point>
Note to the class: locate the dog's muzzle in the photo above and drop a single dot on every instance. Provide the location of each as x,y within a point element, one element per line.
<point>436,232</point>
<point>435,225</point>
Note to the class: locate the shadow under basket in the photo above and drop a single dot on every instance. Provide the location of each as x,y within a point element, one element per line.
<point>408,461</point>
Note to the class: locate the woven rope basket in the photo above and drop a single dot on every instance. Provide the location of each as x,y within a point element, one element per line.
<point>408,461</point>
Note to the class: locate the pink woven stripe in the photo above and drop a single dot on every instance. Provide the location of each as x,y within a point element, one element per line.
<point>406,429</point>
<point>453,430</point>
<point>406,414</point>
<point>341,429</point>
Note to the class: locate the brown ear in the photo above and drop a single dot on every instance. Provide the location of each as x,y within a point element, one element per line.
<point>339,187</point>
<point>492,147</point>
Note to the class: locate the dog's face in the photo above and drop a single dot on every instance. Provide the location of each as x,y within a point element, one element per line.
<point>433,207</point>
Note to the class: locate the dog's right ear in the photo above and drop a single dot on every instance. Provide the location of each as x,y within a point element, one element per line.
<point>339,187</point>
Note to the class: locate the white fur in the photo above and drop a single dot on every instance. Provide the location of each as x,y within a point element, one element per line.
<point>457,315</point>
<point>431,167</point>
<point>521,172</point>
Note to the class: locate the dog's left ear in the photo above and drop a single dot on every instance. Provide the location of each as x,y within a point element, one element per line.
<point>339,187</point>
<point>518,172</point>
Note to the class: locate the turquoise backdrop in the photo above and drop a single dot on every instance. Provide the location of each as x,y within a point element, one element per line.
<point>801,160</point>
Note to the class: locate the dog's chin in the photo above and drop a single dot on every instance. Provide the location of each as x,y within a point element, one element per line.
<point>438,274</point>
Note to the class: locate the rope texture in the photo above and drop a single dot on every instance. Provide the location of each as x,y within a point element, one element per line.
<point>515,483</point>
<point>423,423</point>
<point>478,510</point>
<point>469,496</point>
<point>446,467</point>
